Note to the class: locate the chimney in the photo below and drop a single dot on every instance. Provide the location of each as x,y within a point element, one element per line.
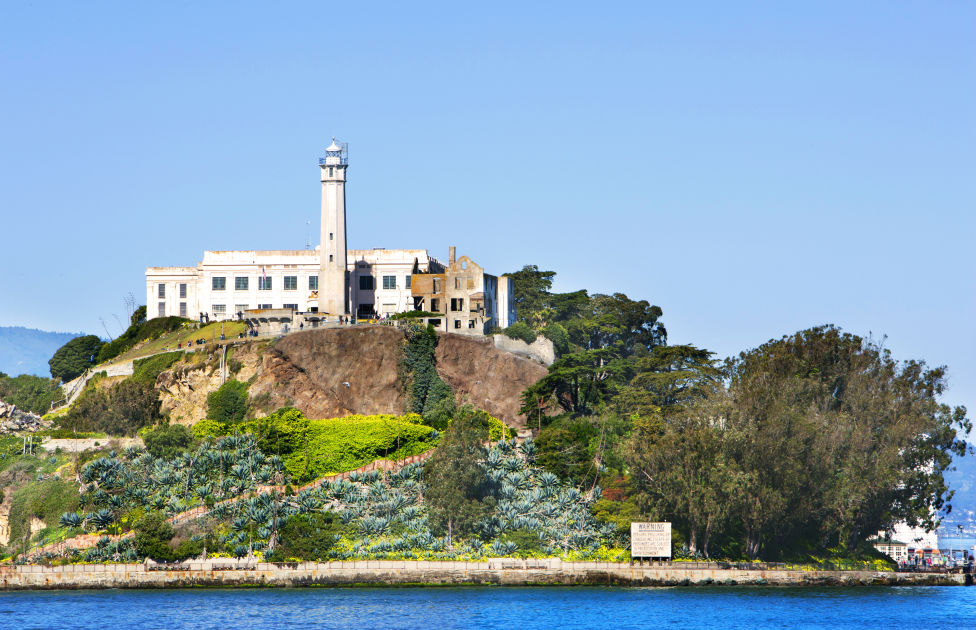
<point>452,252</point>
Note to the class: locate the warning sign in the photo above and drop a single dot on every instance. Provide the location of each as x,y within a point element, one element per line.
<point>650,540</point>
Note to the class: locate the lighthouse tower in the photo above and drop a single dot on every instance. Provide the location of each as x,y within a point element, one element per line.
<point>333,276</point>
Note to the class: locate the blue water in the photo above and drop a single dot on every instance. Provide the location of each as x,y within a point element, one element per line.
<point>729,608</point>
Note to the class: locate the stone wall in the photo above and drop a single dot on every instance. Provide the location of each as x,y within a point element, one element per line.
<point>226,572</point>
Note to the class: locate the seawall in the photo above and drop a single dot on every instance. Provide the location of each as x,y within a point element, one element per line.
<point>407,573</point>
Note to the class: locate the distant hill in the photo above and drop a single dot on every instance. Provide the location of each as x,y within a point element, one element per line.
<point>26,350</point>
<point>963,481</point>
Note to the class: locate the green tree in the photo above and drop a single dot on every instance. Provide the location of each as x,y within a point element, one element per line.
<point>671,376</point>
<point>228,404</point>
<point>308,536</point>
<point>530,293</point>
<point>152,536</point>
<point>821,440</point>
<point>138,316</point>
<point>168,440</point>
<point>73,358</point>
<point>419,372</point>
<point>457,492</point>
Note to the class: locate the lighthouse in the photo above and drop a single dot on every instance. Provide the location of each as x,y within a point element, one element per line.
<point>333,274</point>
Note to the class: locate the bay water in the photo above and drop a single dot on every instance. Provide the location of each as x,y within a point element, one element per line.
<point>562,608</point>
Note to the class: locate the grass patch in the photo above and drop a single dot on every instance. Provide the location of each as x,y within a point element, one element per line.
<point>183,336</point>
<point>46,500</point>
<point>146,370</point>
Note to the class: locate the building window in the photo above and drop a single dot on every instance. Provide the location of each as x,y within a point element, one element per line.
<point>183,291</point>
<point>264,283</point>
<point>161,290</point>
<point>457,323</point>
<point>408,282</point>
<point>293,307</point>
<point>291,283</point>
<point>182,309</point>
<point>434,304</point>
<point>330,258</point>
<point>330,236</point>
<point>365,283</point>
<point>161,309</point>
<point>218,283</point>
<point>389,282</point>
<point>240,283</point>
<point>457,283</point>
<point>264,306</point>
<point>457,304</point>
<point>313,283</point>
<point>218,310</point>
<point>470,323</point>
<point>240,308</point>
<point>437,285</point>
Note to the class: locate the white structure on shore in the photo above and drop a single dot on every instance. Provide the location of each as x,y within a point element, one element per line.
<point>329,280</point>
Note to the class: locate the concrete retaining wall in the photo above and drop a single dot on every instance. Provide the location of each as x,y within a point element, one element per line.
<point>220,572</point>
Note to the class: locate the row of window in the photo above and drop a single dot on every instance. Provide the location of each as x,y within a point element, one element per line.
<point>161,291</point>
<point>221,309</point>
<point>242,283</point>
<point>389,282</point>
<point>161,309</point>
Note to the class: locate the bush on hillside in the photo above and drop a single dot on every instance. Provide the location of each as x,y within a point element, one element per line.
<point>168,440</point>
<point>521,330</point>
<point>153,534</point>
<point>29,392</point>
<point>45,500</point>
<point>72,359</point>
<point>146,370</point>
<point>308,537</point>
<point>119,410</point>
<point>229,403</point>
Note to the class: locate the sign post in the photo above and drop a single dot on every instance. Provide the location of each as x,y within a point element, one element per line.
<point>650,540</point>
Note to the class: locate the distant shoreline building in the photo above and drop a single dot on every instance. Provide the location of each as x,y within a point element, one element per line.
<point>332,281</point>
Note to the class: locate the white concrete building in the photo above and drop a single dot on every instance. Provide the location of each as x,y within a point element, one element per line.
<point>329,279</point>
<point>226,283</point>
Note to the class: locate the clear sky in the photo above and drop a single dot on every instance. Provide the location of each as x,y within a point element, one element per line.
<point>752,168</point>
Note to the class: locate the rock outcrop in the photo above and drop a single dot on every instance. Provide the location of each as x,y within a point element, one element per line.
<point>330,372</point>
<point>488,378</point>
<point>13,420</point>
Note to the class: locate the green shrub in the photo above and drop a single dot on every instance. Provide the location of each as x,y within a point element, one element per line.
<point>46,500</point>
<point>29,392</point>
<point>314,448</point>
<point>415,315</point>
<point>308,536</point>
<point>229,403</point>
<point>208,429</point>
<point>521,330</point>
<point>527,542</point>
<point>152,537</point>
<point>120,410</point>
<point>72,359</point>
<point>146,370</point>
<point>168,440</point>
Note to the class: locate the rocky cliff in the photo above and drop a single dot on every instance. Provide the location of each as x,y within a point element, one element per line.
<point>330,372</point>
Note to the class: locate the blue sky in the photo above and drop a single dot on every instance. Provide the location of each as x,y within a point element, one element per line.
<point>752,168</point>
